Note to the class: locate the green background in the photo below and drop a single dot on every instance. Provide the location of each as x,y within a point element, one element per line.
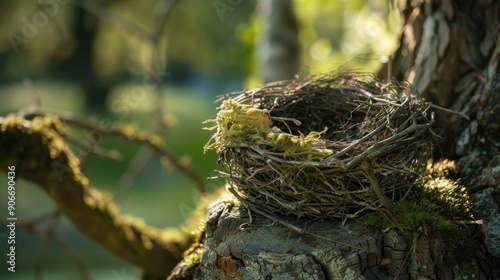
<point>205,55</point>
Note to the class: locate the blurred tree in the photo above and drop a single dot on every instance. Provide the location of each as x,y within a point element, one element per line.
<point>81,42</point>
<point>79,66</point>
<point>278,47</point>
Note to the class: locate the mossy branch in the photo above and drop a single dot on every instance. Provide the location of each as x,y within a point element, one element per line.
<point>128,133</point>
<point>40,155</point>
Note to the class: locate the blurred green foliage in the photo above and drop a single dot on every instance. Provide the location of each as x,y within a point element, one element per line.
<point>205,52</point>
<point>198,39</point>
<point>355,35</point>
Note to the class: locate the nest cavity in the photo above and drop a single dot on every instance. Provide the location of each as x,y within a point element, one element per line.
<point>323,147</point>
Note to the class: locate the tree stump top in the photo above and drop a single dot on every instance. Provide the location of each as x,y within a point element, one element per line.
<point>233,248</point>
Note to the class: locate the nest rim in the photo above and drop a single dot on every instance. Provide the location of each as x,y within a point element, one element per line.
<point>379,134</point>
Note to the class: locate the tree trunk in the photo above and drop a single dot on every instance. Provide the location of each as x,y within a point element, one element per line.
<point>80,65</point>
<point>232,248</point>
<point>449,50</point>
<point>278,47</point>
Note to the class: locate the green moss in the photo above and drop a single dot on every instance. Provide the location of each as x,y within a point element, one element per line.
<point>409,216</point>
<point>444,192</point>
<point>431,206</point>
<point>446,196</point>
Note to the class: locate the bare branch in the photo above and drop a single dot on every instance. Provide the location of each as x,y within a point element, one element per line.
<point>137,163</point>
<point>149,139</point>
<point>40,155</point>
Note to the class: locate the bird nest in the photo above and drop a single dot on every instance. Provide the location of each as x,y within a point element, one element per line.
<point>323,147</point>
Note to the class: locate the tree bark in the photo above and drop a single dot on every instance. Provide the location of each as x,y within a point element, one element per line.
<point>450,51</point>
<point>235,249</point>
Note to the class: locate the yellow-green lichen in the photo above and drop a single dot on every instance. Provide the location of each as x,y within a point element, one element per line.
<point>193,257</point>
<point>245,125</point>
<point>44,139</point>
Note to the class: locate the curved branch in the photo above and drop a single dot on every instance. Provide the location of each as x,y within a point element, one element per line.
<point>150,140</point>
<point>40,155</point>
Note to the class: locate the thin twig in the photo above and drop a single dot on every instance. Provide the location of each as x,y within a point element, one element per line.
<point>77,257</point>
<point>98,151</point>
<point>162,12</point>
<point>370,175</point>
<point>136,136</point>
<point>51,219</point>
<point>136,165</point>
<point>146,139</point>
<point>404,261</point>
<point>450,111</point>
<point>235,193</point>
